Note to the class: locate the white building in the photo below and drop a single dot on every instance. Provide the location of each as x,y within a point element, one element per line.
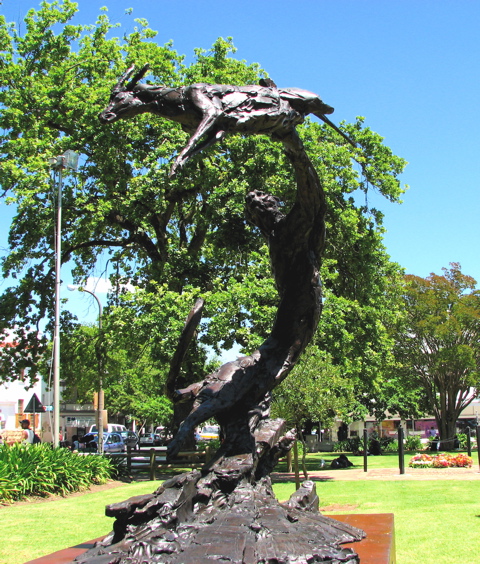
<point>14,397</point>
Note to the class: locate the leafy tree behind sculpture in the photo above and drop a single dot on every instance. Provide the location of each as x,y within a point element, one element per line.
<point>316,390</point>
<point>186,233</point>
<point>132,354</point>
<point>439,347</point>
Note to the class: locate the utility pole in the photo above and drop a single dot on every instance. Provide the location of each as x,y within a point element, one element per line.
<point>68,160</point>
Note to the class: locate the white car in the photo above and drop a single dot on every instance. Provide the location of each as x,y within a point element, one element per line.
<point>109,428</point>
<point>209,433</point>
<point>149,439</point>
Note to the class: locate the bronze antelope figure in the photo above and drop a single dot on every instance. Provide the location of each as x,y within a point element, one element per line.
<point>214,111</point>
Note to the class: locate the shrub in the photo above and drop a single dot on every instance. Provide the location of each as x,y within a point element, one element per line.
<point>353,444</point>
<point>384,441</point>
<point>413,442</point>
<point>213,444</point>
<point>27,470</point>
<point>341,446</point>
<point>356,443</point>
<point>462,439</point>
<point>391,446</point>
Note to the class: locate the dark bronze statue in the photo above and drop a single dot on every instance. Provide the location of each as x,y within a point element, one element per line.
<point>214,110</point>
<point>227,512</point>
<point>237,394</point>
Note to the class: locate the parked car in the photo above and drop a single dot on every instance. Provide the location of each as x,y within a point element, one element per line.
<point>109,428</point>
<point>149,439</point>
<point>208,433</point>
<point>130,438</point>
<point>165,435</point>
<point>112,442</point>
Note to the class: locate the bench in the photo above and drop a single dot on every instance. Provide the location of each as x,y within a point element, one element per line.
<point>157,460</point>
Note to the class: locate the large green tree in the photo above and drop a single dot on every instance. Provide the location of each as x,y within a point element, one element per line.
<point>185,234</point>
<point>439,345</point>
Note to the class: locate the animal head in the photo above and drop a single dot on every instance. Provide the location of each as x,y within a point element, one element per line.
<point>124,101</point>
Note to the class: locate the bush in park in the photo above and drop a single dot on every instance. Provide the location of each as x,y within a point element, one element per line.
<point>390,446</point>
<point>413,442</point>
<point>40,470</point>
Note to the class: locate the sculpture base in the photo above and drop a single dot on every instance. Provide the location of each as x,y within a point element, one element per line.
<point>379,545</point>
<point>377,548</point>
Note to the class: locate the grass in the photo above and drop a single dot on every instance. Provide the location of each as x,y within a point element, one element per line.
<point>387,460</point>
<point>436,522</point>
<point>31,530</point>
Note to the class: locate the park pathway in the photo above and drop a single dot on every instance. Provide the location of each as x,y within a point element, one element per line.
<point>383,474</point>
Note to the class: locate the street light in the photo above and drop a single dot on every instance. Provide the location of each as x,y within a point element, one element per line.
<point>69,160</point>
<point>101,402</point>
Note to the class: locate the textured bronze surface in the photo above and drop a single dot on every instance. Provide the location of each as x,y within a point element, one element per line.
<point>377,548</point>
<point>227,512</point>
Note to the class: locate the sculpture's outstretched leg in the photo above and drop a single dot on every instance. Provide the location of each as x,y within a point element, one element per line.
<point>192,149</point>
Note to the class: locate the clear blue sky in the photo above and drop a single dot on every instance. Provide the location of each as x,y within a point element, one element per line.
<point>409,66</point>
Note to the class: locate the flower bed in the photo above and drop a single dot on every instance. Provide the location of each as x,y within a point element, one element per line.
<point>441,461</point>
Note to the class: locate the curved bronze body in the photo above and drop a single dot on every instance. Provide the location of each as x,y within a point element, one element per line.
<point>227,512</point>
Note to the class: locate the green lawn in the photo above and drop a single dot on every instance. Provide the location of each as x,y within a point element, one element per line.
<point>387,460</point>
<point>31,530</point>
<point>436,522</point>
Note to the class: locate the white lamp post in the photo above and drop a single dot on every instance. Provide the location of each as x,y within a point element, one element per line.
<point>101,402</point>
<point>68,160</point>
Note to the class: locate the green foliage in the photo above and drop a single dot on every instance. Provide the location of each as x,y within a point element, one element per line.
<point>438,344</point>
<point>353,444</point>
<point>213,445</point>
<point>462,439</point>
<point>175,239</point>
<point>391,446</point>
<point>314,390</point>
<point>154,410</point>
<point>412,442</point>
<point>133,370</point>
<point>39,470</point>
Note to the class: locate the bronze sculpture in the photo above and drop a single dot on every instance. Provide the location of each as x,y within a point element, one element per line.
<point>227,512</point>
<point>214,110</point>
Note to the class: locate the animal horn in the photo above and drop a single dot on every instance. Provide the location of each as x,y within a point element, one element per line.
<point>140,74</point>
<point>332,125</point>
<point>121,81</point>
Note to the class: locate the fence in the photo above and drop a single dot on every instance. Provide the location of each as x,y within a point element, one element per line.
<point>157,460</point>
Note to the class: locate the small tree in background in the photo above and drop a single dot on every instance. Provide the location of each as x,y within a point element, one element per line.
<point>315,390</point>
<point>439,346</point>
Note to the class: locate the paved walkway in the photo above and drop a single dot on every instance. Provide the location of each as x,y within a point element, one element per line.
<point>384,474</point>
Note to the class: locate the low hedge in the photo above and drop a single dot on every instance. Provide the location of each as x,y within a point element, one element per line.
<point>40,470</point>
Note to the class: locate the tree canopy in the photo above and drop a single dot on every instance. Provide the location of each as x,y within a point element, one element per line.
<point>185,235</point>
<point>439,347</point>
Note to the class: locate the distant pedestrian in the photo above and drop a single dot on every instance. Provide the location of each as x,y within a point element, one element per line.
<point>28,434</point>
<point>75,443</point>
<point>435,444</point>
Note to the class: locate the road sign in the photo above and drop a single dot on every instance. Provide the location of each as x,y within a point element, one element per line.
<point>34,405</point>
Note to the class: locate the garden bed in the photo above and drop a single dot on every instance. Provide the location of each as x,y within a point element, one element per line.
<point>441,460</point>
